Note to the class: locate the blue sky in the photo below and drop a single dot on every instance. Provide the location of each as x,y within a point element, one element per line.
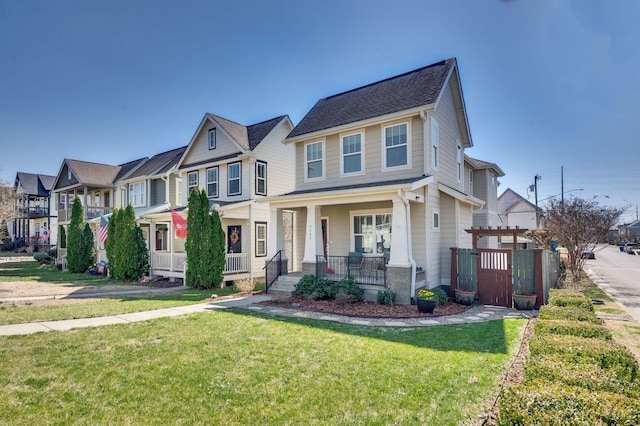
<point>547,84</point>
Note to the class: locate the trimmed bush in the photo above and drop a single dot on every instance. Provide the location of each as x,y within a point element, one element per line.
<point>563,297</point>
<point>545,403</point>
<point>572,313</point>
<point>345,290</point>
<point>440,296</point>
<point>587,374</point>
<point>604,353</point>
<point>42,257</point>
<point>573,328</point>
<point>386,297</point>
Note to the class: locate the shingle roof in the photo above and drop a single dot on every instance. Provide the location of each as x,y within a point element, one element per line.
<point>413,89</point>
<point>35,184</point>
<point>257,132</point>
<point>158,164</point>
<point>358,186</point>
<point>94,173</point>
<point>250,136</point>
<point>480,164</point>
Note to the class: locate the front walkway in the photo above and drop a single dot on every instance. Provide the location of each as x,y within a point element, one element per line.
<point>251,303</point>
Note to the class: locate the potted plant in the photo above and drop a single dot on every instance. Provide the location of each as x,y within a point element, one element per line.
<point>523,299</point>
<point>464,294</point>
<point>426,301</point>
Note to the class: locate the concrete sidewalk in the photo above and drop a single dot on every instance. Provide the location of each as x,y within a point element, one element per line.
<point>473,315</point>
<point>89,295</point>
<point>43,326</point>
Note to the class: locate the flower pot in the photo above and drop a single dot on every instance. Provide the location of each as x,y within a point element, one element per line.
<point>465,297</point>
<point>426,306</point>
<point>524,302</point>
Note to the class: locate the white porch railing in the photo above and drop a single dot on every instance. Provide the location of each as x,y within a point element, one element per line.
<point>235,262</point>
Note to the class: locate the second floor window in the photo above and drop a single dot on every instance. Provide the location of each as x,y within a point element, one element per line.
<point>261,178</point>
<point>459,161</point>
<point>471,182</point>
<point>212,182</point>
<point>234,181</point>
<point>314,160</point>
<point>192,181</point>
<point>137,196</point>
<point>396,146</point>
<point>435,143</point>
<point>352,154</point>
<point>212,138</point>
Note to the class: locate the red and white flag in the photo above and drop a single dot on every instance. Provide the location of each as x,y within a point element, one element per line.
<point>180,224</point>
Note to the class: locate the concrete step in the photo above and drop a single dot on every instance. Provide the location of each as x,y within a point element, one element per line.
<point>285,286</point>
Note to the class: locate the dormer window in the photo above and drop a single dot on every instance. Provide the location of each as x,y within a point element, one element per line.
<point>212,138</point>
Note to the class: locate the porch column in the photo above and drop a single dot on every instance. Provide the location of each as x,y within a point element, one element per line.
<point>313,235</point>
<point>399,250</point>
<point>275,241</point>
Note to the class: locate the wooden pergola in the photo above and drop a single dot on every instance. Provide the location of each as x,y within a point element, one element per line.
<point>489,231</point>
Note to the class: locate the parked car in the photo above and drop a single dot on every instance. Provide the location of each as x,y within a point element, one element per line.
<point>630,248</point>
<point>588,254</point>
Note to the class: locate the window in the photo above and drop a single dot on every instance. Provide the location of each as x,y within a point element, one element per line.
<point>235,187</point>
<point>212,182</point>
<point>162,234</point>
<point>352,154</point>
<point>372,233</point>
<point>192,181</point>
<point>261,178</point>
<point>137,195</point>
<point>470,182</point>
<point>435,143</point>
<point>212,138</point>
<point>436,220</point>
<point>396,144</point>
<point>314,160</point>
<point>459,161</point>
<point>261,239</point>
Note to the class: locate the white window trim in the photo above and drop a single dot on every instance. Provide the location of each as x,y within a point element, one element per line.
<point>258,178</point>
<point>215,138</point>
<point>342,155</point>
<point>374,213</point>
<point>459,161</point>
<point>189,187</point>
<point>143,194</point>
<point>384,147</point>
<point>324,162</point>
<point>239,178</point>
<point>470,182</point>
<point>435,144</point>
<point>435,214</point>
<point>217,181</point>
<point>260,224</point>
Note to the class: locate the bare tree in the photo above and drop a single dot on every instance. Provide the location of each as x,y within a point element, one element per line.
<point>579,225</point>
<point>8,202</point>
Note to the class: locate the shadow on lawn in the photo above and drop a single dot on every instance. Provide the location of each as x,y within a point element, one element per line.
<point>485,337</point>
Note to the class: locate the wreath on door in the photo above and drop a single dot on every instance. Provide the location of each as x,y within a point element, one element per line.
<point>235,236</point>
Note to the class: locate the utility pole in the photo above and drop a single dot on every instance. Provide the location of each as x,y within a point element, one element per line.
<point>562,185</point>
<point>536,178</point>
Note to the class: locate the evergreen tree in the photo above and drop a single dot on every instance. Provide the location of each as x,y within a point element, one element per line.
<point>142,252</point>
<point>110,244</point>
<point>76,247</point>
<point>126,259</point>
<point>219,260</point>
<point>89,251</point>
<point>63,236</point>
<point>192,247</point>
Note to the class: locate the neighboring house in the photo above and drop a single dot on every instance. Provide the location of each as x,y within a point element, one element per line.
<point>482,180</point>
<point>236,165</point>
<point>516,211</point>
<point>35,224</point>
<point>630,231</point>
<point>381,192</point>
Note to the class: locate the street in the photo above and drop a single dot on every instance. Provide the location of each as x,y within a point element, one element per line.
<point>617,274</point>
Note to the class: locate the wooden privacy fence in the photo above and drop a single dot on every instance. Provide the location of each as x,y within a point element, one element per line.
<point>495,274</point>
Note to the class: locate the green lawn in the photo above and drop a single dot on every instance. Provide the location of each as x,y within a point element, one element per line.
<point>32,271</point>
<point>240,368</point>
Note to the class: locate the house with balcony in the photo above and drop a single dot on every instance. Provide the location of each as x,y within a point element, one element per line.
<point>236,165</point>
<point>35,225</point>
<point>381,191</point>
<point>482,180</point>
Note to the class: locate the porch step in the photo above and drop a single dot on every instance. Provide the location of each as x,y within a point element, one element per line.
<point>285,286</point>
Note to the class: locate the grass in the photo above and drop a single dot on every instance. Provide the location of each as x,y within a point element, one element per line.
<point>233,367</point>
<point>32,271</point>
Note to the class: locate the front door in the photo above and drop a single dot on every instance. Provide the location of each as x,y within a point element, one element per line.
<point>234,239</point>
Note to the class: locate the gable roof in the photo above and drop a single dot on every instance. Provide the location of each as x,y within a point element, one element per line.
<point>509,199</point>
<point>410,90</point>
<point>35,184</point>
<point>481,165</point>
<point>158,164</point>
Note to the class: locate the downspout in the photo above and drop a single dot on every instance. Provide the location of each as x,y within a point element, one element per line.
<point>409,245</point>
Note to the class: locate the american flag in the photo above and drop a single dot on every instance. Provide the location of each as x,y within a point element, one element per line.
<point>104,230</point>
<point>45,235</point>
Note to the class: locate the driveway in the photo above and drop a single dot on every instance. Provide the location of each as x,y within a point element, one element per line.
<point>618,275</point>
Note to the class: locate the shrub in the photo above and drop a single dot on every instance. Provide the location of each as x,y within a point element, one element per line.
<point>559,404</point>
<point>568,313</point>
<point>587,374</point>
<point>42,257</point>
<point>573,328</point>
<point>53,252</point>
<point>244,285</point>
<point>347,289</point>
<point>386,297</point>
<point>562,297</point>
<point>440,296</point>
<point>321,289</point>
<point>604,353</point>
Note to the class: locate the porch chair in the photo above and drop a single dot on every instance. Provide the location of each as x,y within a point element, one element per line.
<point>355,261</point>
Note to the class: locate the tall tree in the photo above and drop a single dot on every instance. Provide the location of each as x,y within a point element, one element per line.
<point>75,241</point>
<point>130,258</point>
<point>579,225</point>
<point>218,257</point>
<point>62,236</point>
<point>89,252</point>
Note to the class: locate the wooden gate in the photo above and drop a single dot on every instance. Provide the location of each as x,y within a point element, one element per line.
<point>495,277</point>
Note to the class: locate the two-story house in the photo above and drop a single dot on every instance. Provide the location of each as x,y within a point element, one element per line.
<point>516,211</point>
<point>482,180</point>
<point>380,192</point>
<point>236,165</point>
<point>35,224</point>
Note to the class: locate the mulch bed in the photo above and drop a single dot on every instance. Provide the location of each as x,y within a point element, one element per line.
<point>362,309</point>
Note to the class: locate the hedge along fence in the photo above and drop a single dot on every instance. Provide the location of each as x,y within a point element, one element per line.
<point>575,374</point>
